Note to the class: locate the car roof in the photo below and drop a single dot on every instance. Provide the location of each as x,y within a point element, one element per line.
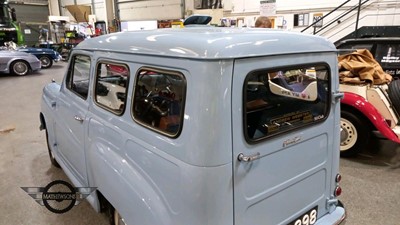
<point>208,42</point>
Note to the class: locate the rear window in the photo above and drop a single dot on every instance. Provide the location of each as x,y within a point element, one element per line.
<point>285,99</point>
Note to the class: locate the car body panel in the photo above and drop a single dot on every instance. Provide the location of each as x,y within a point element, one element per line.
<point>63,49</point>
<point>40,52</point>
<point>373,115</point>
<point>8,57</point>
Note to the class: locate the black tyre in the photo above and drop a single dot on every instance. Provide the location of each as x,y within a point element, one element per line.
<point>354,134</point>
<point>46,61</point>
<point>51,155</point>
<point>394,94</point>
<point>20,68</point>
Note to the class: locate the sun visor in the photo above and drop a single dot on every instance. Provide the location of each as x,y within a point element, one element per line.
<point>79,12</point>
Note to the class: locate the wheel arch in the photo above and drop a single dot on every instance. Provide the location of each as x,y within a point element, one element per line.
<point>359,114</point>
<point>18,60</point>
<point>121,190</point>
<point>12,62</point>
<point>44,55</point>
<point>365,109</point>
<point>42,122</point>
<point>48,57</point>
<point>102,201</point>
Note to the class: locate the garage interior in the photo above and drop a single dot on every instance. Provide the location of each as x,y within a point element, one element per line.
<point>371,180</point>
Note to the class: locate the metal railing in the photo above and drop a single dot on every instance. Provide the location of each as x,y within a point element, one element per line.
<point>337,19</point>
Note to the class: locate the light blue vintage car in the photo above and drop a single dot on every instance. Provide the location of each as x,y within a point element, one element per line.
<point>18,63</point>
<point>201,126</point>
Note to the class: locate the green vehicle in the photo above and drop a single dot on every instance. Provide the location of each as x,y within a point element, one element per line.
<point>9,29</point>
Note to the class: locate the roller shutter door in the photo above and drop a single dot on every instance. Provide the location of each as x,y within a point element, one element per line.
<point>149,10</point>
<point>31,17</point>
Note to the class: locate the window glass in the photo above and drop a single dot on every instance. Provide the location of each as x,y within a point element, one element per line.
<point>300,19</point>
<point>159,100</point>
<point>111,85</point>
<point>78,75</point>
<point>277,101</point>
<point>388,55</point>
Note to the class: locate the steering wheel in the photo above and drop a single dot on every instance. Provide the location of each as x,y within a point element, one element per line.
<point>167,93</point>
<point>156,105</point>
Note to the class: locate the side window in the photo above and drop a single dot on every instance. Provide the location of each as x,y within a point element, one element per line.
<point>277,101</point>
<point>78,75</point>
<point>159,99</point>
<point>111,86</point>
<point>388,55</point>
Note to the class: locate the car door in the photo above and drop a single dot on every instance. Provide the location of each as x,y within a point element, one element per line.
<point>283,139</point>
<point>72,107</point>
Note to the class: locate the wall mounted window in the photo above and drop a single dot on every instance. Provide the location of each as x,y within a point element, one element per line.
<point>158,101</point>
<point>278,101</point>
<point>111,86</point>
<point>78,75</point>
<point>301,20</point>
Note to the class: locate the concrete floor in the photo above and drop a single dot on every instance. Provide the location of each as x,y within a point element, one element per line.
<point>24,161</point>
<point>371,189</point>
<point>371,186</point>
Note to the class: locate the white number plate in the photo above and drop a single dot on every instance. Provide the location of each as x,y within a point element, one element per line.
<point>308,218</point>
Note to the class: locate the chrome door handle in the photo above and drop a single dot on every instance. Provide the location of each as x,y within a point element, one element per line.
<point>337,96</point>
<point>242,158</point>
<point>80,119</point>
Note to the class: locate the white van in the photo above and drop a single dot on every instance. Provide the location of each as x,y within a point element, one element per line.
<point>201,126</point>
